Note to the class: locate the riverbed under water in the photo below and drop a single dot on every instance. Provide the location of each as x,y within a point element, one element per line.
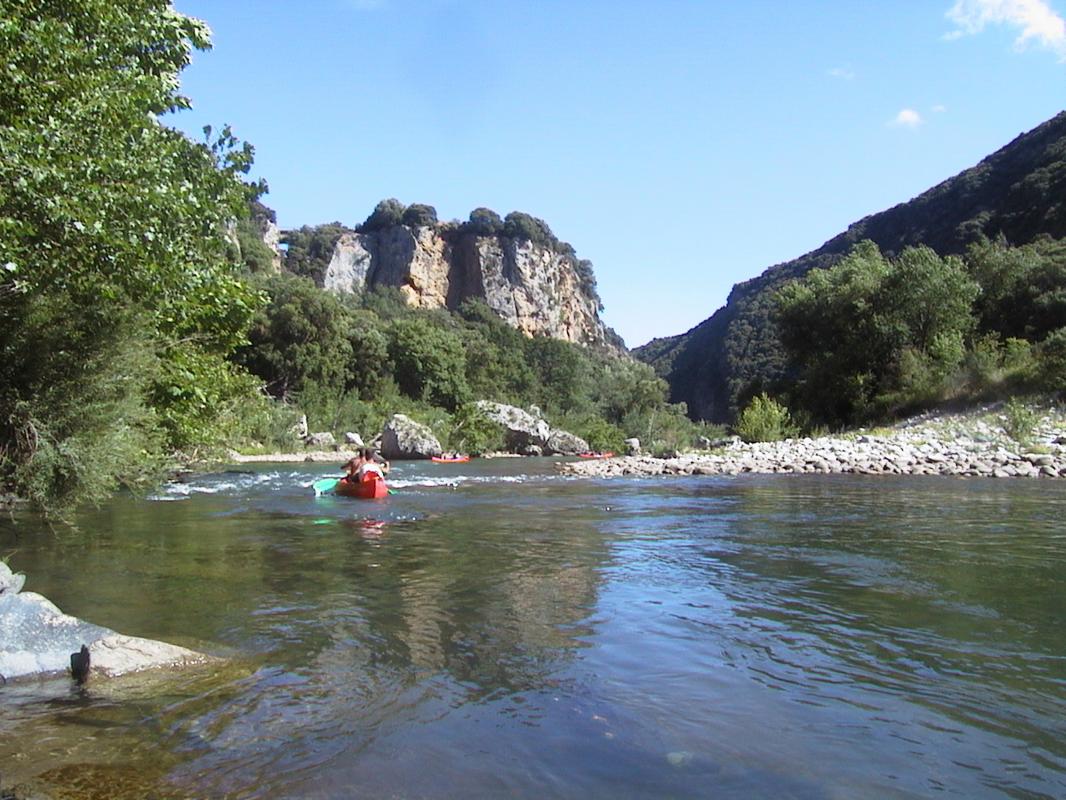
<point>494,629</point>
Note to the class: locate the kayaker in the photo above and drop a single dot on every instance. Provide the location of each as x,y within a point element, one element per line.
<point>368,462</point>
<point>351,468</point>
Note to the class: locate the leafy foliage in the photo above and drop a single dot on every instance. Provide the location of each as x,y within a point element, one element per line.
<point>254,253</point>
<point>419,215</point>
<point>112,236</point>
<point>1019,420</point>
<point>872,332</point>
<point>309,249</point>
<point>429,362</point>
<point>765,420</point>
<point>483,222</point>
<point>299,338</point>
<point>386,214</point>
<point>875,336</point>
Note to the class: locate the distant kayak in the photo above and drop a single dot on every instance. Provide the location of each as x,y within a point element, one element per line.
<point>595,455</point>
<point>450,459</point>
<point>370,488</point>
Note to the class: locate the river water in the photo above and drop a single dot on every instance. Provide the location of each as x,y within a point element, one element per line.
<point>497,630</point>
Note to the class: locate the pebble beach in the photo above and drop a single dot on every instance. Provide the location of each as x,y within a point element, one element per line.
<point>967,444</point>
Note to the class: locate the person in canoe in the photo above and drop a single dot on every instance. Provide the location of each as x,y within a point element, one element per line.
<point>363,462</point>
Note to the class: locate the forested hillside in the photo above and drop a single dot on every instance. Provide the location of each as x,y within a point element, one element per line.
<point>141,313</point>
<point>1017,194</point>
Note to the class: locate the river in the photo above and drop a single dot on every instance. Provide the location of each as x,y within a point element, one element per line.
<point>494,629</point>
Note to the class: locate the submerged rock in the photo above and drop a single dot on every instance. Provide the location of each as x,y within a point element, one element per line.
<point>36,638</point>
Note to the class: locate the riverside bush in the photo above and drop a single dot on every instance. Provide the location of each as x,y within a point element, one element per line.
<point>1019,420</point>
<point>765,420</point>
<point>1052,361</point>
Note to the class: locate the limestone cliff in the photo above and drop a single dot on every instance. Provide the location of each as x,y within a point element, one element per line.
<point>536,288</point>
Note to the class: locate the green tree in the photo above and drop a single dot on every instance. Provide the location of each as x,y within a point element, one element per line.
<point>429,362</point>
<point>310,249</point>
<point>826,325</point>
<point>254,253</point>
<point>370,366</point>
<point>563,372</point>
<point>483,222</point>
<point>1023,289</point>
<point>300,339</point>
<point>519,225</point>
<point>386,214</point>
<point>112,232</point>
<point>765,420</point>
<point>419,215</point>
<point>872,333</point>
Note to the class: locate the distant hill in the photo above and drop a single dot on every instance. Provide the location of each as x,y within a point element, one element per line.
<point>1018,192</point>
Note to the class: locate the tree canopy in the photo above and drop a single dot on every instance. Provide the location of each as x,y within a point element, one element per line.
<point>114,257</point>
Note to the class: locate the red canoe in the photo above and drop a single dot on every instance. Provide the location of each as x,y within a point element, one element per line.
<point>371,487</point>
<point>455,460</point>
<point>595,455</point>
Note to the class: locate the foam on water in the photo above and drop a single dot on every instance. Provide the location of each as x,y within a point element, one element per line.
<point>221,483</point>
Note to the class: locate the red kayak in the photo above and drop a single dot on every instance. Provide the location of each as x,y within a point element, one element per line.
<point>371,487</point>
<point>451,460</point>
<point>595,455</point>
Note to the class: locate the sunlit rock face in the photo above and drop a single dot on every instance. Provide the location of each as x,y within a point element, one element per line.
<point>533,288</point>
<point>349,268</point>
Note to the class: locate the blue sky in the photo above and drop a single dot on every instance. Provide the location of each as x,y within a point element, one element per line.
<point>682,147</point>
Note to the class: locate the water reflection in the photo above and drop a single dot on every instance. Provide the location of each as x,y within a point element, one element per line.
<point>502,631</point>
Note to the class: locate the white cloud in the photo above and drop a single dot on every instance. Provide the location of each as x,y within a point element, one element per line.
<point>1037,21</point>
<point>844,73</point>
<point>908,118</point>
<point>939,109</point>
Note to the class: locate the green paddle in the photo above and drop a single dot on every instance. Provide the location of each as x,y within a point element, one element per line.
<point>325,485</point>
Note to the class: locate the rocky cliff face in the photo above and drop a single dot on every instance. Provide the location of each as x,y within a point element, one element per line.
<point>532,287</point>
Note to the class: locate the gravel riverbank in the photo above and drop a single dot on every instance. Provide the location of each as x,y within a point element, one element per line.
<point>969,444</point>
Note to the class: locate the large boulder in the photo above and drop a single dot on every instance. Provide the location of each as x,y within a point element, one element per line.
<point>36,638</point>
<point>402,437</point>
<point>564,443</point>
<point>522,430</point>
<point>10,582</point>
<point>320,441</point>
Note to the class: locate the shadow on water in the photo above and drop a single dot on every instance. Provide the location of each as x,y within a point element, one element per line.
<point>499,630</point>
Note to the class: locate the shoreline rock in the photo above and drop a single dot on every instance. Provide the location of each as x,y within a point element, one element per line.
<point>37,640</point>
<point>964,445</point>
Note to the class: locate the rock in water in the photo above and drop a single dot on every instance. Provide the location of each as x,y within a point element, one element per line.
<point>10,582</point>
<point>79,665</point>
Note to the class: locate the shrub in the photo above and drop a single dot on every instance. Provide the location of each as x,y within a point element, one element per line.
<point>474,433</point>
<point>483,222</point>
<point>601,435</point>
<point>1051,360</point>
<point>765,420</point>
<point>310,249</point>
<point>419,215</point>
<point>519,225</point>
<point>1019,420</point>
<point>386,214</point>
<point>255,255</point>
